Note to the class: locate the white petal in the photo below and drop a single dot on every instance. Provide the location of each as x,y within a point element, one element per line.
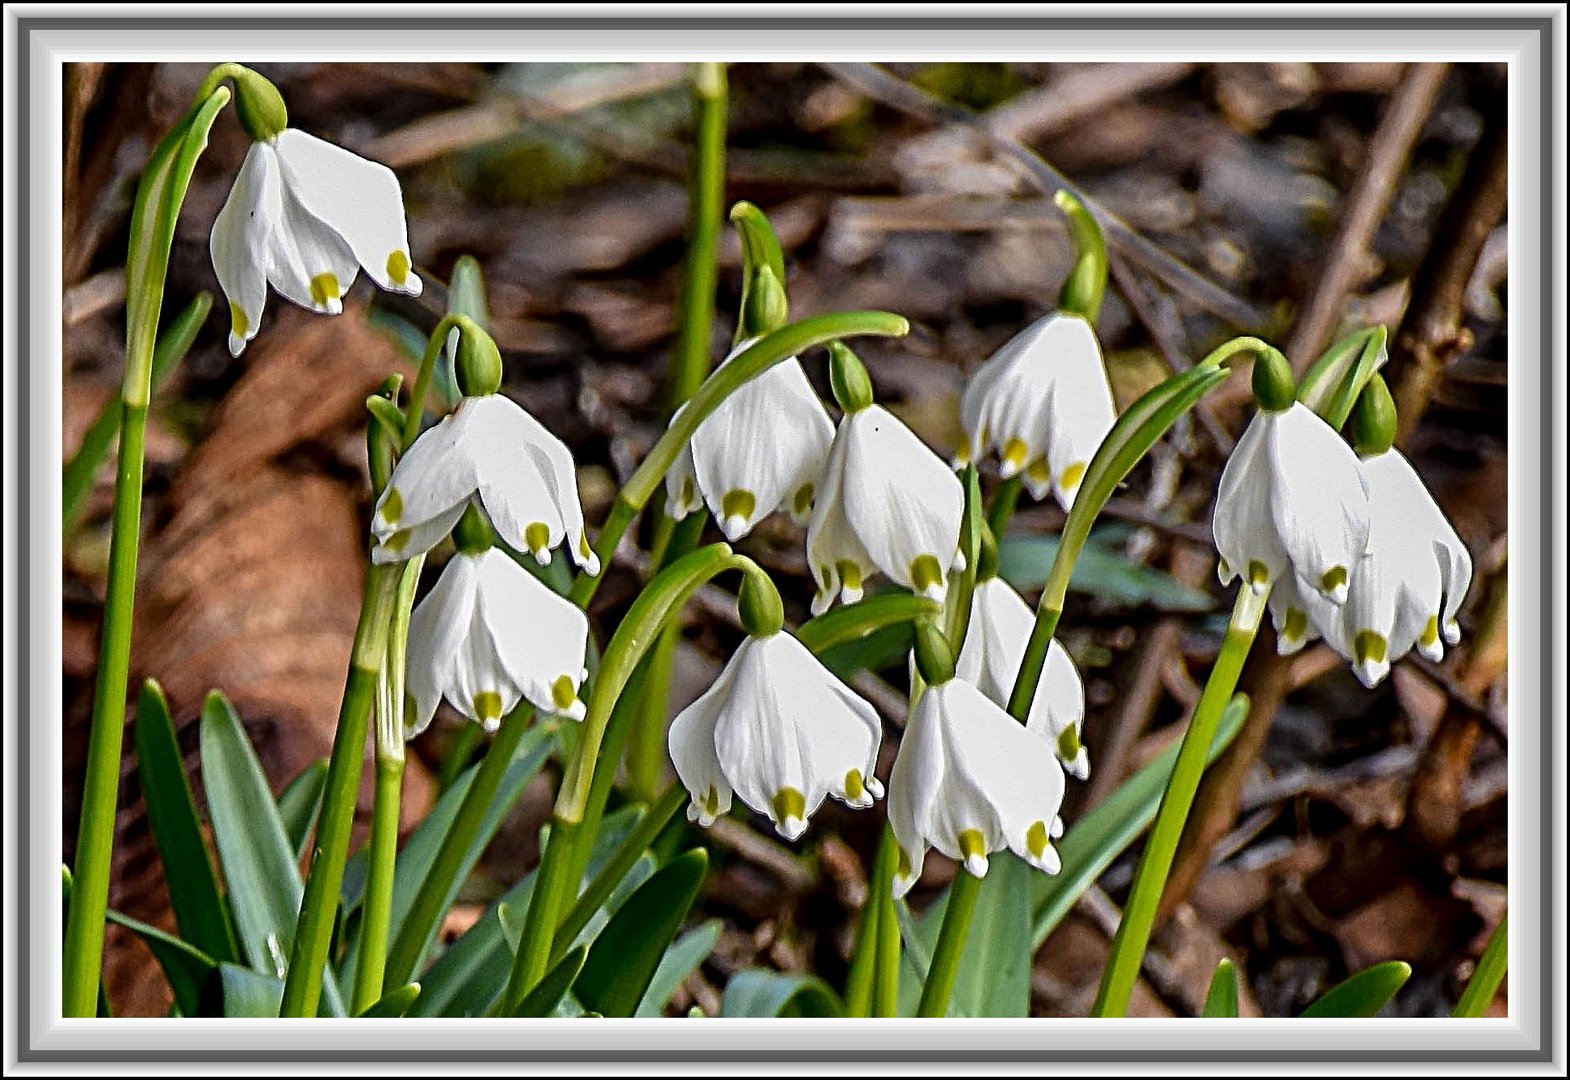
<point>839,731</point>
<point>1319,501</point>
<point>440,471</point>
<point>308,262</point>
<point>239,243</point>
<point>1298,617</point>
<point>1394,483</point>
<point>416,539</point>
<point>540,637</point>
<point>915,788</point>
<point>830,539</point>
<point>552,463</point>
<point>682,496</point>
<point>767,439</point>
<point>437,627</point>
<point>691,742</point>
<point>359,199</point>
<point>1080,411</point>
<point>1007,398</point>
<point>1242,525</point>
<point>900,499</point>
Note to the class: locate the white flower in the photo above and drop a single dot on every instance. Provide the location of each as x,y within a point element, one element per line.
<point>305,215</point>
<point>762,449</point>
<point>886,503</point>
<point>490,448</point>
<point>488,634</point>
<point>1405,591</point>
<point>1293,498</point>
<point>781,731</point>
<point>970,780</point>
<point>994,649</point>
<point>1043,403</point>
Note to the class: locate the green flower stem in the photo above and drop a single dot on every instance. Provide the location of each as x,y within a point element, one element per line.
<point>705,216</point>
<point>885,979</point>
<point>313,932</point>
<point>159,198</point>
<point>1087,282</point>
<point>422,380</point>
<point>600,887</point>
<point>1139,914</point>
<point>864,953</point>
<point>376,915</point>
<point>430,901</point>
<point>1484,984</point>
<point>946,955</point>
<point>761,355</point>
<point>1005,498</point>
<point>659,603</point>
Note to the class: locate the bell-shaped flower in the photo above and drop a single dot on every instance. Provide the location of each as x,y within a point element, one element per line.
<point>1293,498</point>
<point>490,449</point>
<point>1405,591</point>
<point>990,659</point>
<point>970,780</point>
<point>305,216</point>
<point>1043,403</point>
<point>887,503</point>
<point>762,449</point>
<point>488,634</point>
<point>779,730</point>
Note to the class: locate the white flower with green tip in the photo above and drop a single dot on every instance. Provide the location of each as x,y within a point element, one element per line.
<point>763,448</point>
<point>779,730</point>
<point>492,450</point>
<point>969,781</point>
<point>887,503</point>
<point>1000,627</point>
<point>305,216</point>
<point>1044,404</point>
<point>1293,499</point>
<point>488,634</point>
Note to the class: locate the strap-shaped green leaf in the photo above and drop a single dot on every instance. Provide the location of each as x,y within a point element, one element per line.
<point>233,991</point>
<point>994,973</point>
<point>1363,994</point>
<point>680,960</point>
<point>186,967</point>
<point>1221,999</point>
<point>1484,984</point>
<point>258,859</point>
<point>624,957</point>
<point>1101,571</point>
<point>1098,838</point>
<point>299,803</point>
<point>758,992</point>
<point>543,999</point>
<point>199,908</point>
<point>394,1004</point>
<point>1331,386</point>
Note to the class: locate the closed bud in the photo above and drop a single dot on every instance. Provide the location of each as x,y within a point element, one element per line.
<point>767,307</point>
<point>473,534</point>
<point>479,366</point>
<point>934,655</point>
<point>1274,387</point>
<point>1374,419</point>
<point>762,613</point>
<point>848,376</point>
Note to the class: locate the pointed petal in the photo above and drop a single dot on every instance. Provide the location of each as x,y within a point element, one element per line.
<point>308,262</point>
<point>1319,501</point>
<point>691,743</point>
<point>832,546</point>
<point>681,483</point>
<point>239,243</point>
<point>541,639</point>
<point>358,199</point>
<point>553,463</point>
<point>416,539</point>
<point>1080,411</point>
<point>438,472</point>
<point>437,627</point>
<point>915,787</point>
<point>838,732</point>
<point>1242,524</point>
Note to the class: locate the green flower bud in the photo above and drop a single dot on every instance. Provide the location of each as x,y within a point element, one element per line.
<point>762,612</point>
<point>1274,387</point>
<point>1374,418</point>
<point>766,308</point>
<point>479,363</point>
<point>257,101</point>
<point>473,534</point>
<point>848,377</point>
<point>934,655</point>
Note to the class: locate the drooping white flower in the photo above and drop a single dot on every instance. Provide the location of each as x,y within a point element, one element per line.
<point>1293,498</point>
<point>887,503</point>
<point>762,449</point>
<point>491,449</point>
<point>970,780</point>
<point>1405,591</point>
<point>488,634</point>
<point>779,730</point>
<point>1043,403</point>
<point>990,659</point>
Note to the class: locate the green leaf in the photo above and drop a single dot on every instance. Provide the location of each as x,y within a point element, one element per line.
<point>234,991</point>
<point>300,802</point>
<point>759,992</point>
<point>258,860</point>
<point>624,957</point>
<point>994,974</point>
<point>1484,984</point>
<point>1331,386</point>
<point>199,908</point>
<point>172,346</point>
<point>185,966</point>
<point>1221,1000</point>
<point>680,960</point>
<point>1097,839</point>
<point>855,622</point>
<point>543,999</point>
<point>394,1004</point>
<point>1363,994</point>
<point>1101,571</point>
<point>420,850</point>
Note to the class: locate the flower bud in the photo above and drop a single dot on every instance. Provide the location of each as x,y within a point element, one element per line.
<point>479,366</point>
<point>473,534</point>
<point>1274,387</point>
<point>848,377</point>
<point>762,613</point>
<point>257,101</point>
<point>1374,419</point>
<point>767,307</point>
<point>934,655</point>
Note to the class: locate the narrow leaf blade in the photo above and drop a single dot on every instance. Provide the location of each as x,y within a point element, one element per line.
<point>1221,999</point>
<point>758,992</point>
<point>1364,994</point>
<point>300,802</point>
<point>624,957</point>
